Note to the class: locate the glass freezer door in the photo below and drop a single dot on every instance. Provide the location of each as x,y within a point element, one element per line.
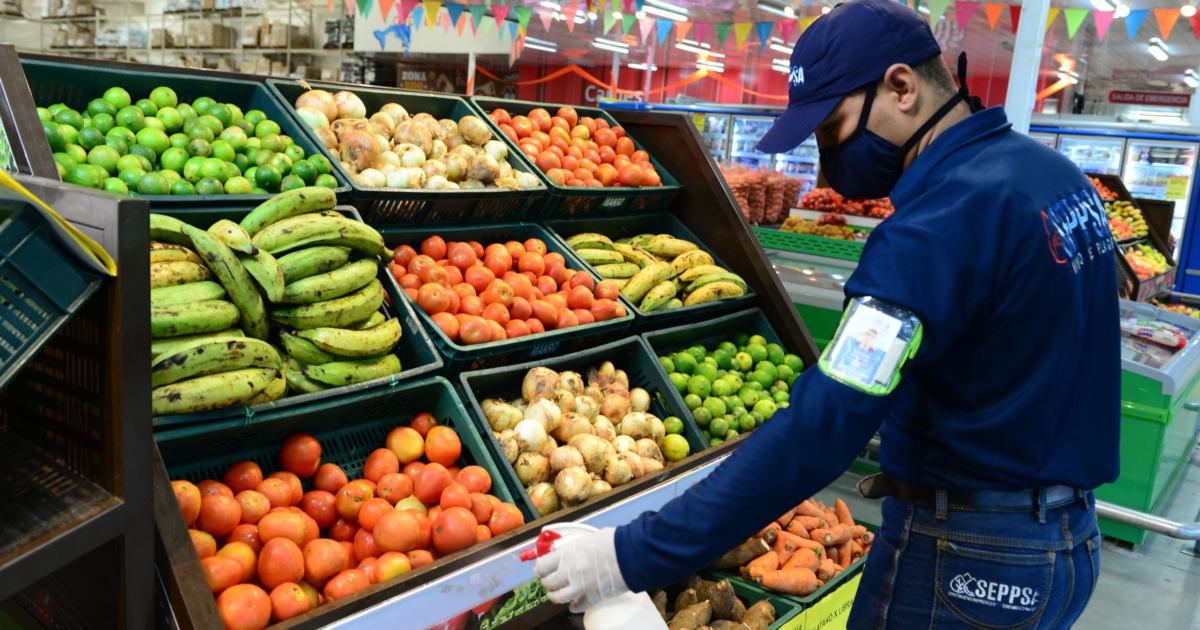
<point>1047,139</point>
<point>747,131</point>
<point>800,163</point>
<point>1092,154</point>
<point>714,128</point>
<point>1162,170</point>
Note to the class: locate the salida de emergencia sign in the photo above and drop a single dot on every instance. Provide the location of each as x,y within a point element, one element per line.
<point>1160,99</point>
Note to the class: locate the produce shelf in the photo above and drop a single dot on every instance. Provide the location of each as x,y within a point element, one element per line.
<point>578,201</point>
<point>809,244</point>
<point>417,355</point>
<point>53,82</point>
<point>631,355</point>
<point>391,206</point>
<point>660,223</point>
<point>495,353</point>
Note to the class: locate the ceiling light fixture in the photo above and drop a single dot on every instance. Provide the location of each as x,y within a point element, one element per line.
<point>610,45</point>
<point>698,50</point>
<point>670,15</point>
<point>1102,5</point>
<point>782,11</point>
<point>710,65</point>
<point>546,4</point>
<point>592,16</point>
<point>1187,10</point>
<point>1158,49</point>
<point>781,48</point>
<point>1121,12</point>
<point>640,66</point>
<point>667,6</point>
<point>541,48</point>
<point>1191,81</point>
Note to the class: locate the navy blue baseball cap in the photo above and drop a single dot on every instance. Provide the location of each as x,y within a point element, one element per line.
<point>850,47</point>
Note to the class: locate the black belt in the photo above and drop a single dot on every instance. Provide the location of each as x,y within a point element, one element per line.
<point>879,486</point>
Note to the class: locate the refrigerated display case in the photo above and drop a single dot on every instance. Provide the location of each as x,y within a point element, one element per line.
<point>1047,139</point>
<point>816,286</point>
<point>1160,405</point>
<point>747,131</point>
<point>1093,154</point>
<point>801,163</point>
<point>1162,170</point>
<point>714,129</point>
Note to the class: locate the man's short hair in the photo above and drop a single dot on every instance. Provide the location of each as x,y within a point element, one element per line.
<point>934,72</point>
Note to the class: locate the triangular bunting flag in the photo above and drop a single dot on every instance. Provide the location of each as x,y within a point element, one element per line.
<point>741,30</point>
<point>1054,11</point>
<point>664,29</point>
<point>807,22</point>
<point>500,11</point>
<point>1134,20</point>
<point>937,8</point>
<point>569,9</point>
<point>963,12</point>
<point>764,32</point>
<point>454,10</point>
<point>523,15</point>
<point>1014,12</point>
<point>547,18</point>
<point>364,7</point>
<point>645,26</point>
<point>722,31</point>
<point>477,12</point>
<point>1103,20</point>
<point>432,8</point>
<point>350,11</point>
<point>627,6</point>
<point>627,20</point>
<point>461,25</point>
<point>512,28</point>
<point>385,8</point>
<point>703,31</point>
<point>682,29</point>
<point>1074,18</point>
<point>785,30</point>
<point>610,18</point>
<point>1195,20</point>
<point>1166,16</point>
<point>418,14</point>
<point>993,10</point>
<point>406,8</point>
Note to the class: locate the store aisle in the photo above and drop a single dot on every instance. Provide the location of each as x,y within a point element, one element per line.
<point>1154,586</point>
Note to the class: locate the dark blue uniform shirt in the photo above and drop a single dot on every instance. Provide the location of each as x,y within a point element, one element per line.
<point>1002,249</point>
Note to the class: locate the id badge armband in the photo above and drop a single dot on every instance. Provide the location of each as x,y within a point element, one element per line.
<point>872,344</point>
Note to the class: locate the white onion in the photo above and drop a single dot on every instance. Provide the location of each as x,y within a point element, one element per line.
<point>545,412</point>
<point>410,155</point>
<point>313,117</point>
<point>544,498</point>
<point>319,100</point>
<point>639,399</point>
<point>527,180</point>
<point>436,182</point>
<point>372,178</point>
<point>349,105</point>
<point>497,150</point>
<point>395,111</point>
<point>456,167</point>
<point>573,485</point>
<point>531,435</point>
<point>387,158</point>
<point>438,151</point>
<point>532,468</point>
<point>565,457</point>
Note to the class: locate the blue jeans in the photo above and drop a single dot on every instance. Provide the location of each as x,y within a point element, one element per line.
<point>979,569</point>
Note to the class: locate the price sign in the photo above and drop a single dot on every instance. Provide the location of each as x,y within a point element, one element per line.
<point>698,120</point>
<point>1177,186</point>
<point>831,612</point>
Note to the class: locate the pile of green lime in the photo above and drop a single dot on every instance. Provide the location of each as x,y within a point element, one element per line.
<point>736,387</point>
<point>159,146</point>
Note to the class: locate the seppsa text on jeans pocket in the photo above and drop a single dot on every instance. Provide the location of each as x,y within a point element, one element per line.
<point>987,587</point>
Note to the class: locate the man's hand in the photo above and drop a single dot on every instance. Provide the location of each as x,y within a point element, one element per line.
<point>582,570</point>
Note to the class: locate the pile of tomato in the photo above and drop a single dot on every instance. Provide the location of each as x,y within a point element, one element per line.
<point>578,151</point>
<point>271,550</point>
<point>477,294</point>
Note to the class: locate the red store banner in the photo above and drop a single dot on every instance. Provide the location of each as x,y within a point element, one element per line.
<point>1162,99</point>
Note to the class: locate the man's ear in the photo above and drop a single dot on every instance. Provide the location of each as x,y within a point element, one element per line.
<point>901,85</point>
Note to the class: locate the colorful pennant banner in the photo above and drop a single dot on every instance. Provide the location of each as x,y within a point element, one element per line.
<point>1054,11</point>
<point>993,10</point>
<point>763,30</point>
<point>1134,20</point>
<point>1074,18</point>
<point>1103,19</point>
<point>722,31</point>
<point>963,11</point>
<point>741,30</point>
<point>937,8</point>
<point>1166,18</point>
<point>664,29</point>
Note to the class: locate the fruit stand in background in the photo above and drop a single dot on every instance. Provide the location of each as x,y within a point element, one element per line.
<point>764,196</point>
<point>1147,266</point>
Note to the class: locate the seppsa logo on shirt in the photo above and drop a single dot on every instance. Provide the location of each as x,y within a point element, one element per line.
<point>1077,229</point>
<point>968,588</point>
<point>796,76</point>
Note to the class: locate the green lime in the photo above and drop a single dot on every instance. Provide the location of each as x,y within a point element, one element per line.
<point>305,171</point>
<point>154,139</point>
<point>171,176</point>
<point>64,160</point>
<point>757,352</point>
<point>255,116</point>
<point>707,370</point>
<point>775,353</point>
<point>180,141</point>
<point>62,172</point>
<point>716,406</point>
<point>55,108</point>
<point>131,118</point>
<point>784,373</point>
<point>699,386</point>
<point>756,386</point>
<point>117,143</point>
<point>198,130</point>
<point>746,423</point>
<point>723,387</point>
<point>266,128</point>
<point>200,147</point>
<point>286,140</point>
<point>187,111</point>
<point>68,116</point>
<point>267,177</point>
<point>727,346</point>
<point>679,380</point>
<point>104,122</point>
<point>779,397</point>
<point>765,408</point>
<point>54,136</point>
<point>115,185</point>
<point>291,182</point>
<point>259,191</point>
<point>731,433</point>
<point>719,426</point>
<point>272,142</point>
<point>692,401</point>
<point>44,115</point>
<point>794,362</point>
<point>83,175</point>
<point>153,123</point>
<point>174,158</point>
<point>235,137</point>
<point>249,174</point>
<point>105,157</point>
<point>723,358</point>
<point>684,362</point>
<point>238,186</point>
<point>213,168</point>
<point>281,162</point>
<point>748,395</point>
<point>246,127</point>
<point>171,119</point>
<point>100,106</point>
<point>144,151</point>
<point>183,187</point>
<point>77,153</point>
<point>757,340</point>
<point>762,378</point>
<point>769,368</point>
<point>221,112</point>
<point>222,150</point>
<point>212,122</point>
<point>742,361</point>
<point>117,97</point>
<point>716,441</point>
<point>128,162</point>
<point>203,104</point>
<point>152,184</point>
<point>122,133</point>
<point>70,134</point>
<point>325,180</point>
<point>90,137</point>
<point>294,151</point>
<point>147,106</point>
<point>131,176</point>
<point>321,163</point>
<point>698,352</point>
<point>163,96</point>
<point>261,156</point>
<point>209,186</point>
<point>673,425</point>
<point>701,416</point>
<point>191,168</point>
<point>675,447</point>
<point>667,364</point>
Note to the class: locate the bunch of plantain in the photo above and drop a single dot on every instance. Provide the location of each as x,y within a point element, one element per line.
<point>658,271</point>
<point>291,271</point>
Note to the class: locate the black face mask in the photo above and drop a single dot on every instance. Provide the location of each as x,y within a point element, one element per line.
<point>865,165</point>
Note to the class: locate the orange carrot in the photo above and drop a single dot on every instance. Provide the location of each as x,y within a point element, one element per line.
<point>798,581</point>
<point>767,562</point>
<point>831,537</point>
<point>843,512</point>
<point>786,544</point>
<point>856,550</point>
<point>857,531</point>
<point>845,554</point>
<point>804,557</point>
<point>817,548</point>
<point>797,528</point>
<point>831,517</point>
<point>810,522</point>
<point>786,518</point>
<point>827,570</point>
<point>867,539</point>
<point>809,508</point>
<point>773,526</point>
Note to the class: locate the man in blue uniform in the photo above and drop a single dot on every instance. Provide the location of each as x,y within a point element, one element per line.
<point>992,292</point>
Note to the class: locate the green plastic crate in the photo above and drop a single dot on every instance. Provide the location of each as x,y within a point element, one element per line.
<point>348,428</point>
<point>41,284</point>
<point>495,353</point>
<point>751,593</point>
<point>708,334</point>
<point>579,201</point>
<point>657,223</point>
<point>394,206</point>
<point>417,355</point>
<point>53,82</point>
<point>809,244</point>
<point>631,355</point>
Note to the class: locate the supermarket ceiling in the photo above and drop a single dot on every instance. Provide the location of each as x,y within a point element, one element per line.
<point>1117,59</point>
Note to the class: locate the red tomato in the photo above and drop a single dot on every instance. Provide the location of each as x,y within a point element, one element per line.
<point>568,114</point>
<point>461,255</point>
<point>447,323</point>
<point>516,328</point>
<point>434,247</point>
<point>433,298</point>
<point>474,329</point>
<point>547,160</point>
<point>624,145</point>
<point>403,255</point>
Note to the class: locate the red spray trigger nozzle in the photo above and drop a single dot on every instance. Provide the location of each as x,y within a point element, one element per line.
<point>542,547</point>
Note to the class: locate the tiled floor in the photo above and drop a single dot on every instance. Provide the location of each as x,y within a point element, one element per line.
<point>1153,587</point>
